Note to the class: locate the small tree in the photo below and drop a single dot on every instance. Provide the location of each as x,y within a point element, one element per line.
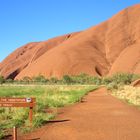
<point>2,80</point>
<point>81,78</point>
<point>53,80</point>
<point>26,79</point>
<point>67,79</point>
<point>123,78</point>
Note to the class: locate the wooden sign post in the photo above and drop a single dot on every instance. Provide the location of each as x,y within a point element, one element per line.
<point>14,133</point>
<point>19,102</point>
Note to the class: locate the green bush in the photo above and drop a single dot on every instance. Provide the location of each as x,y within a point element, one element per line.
<point>106,80</point>
<point>86,79</point>
<point>2,80</point>
<point>96,80</point>
<point>123,78</point>
<point>53,80</point>
<point>40,78</point>
<point>67,79</point>
<point>10,81</point>
<point>113,85</point>
<point>26,79</point>
<point>116,80</point>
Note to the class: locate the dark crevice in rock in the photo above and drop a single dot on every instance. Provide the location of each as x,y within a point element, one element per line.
<point>98,71</point>
<point>13,74</point>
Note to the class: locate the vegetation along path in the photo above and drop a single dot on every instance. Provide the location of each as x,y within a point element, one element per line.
<point>99,117</point>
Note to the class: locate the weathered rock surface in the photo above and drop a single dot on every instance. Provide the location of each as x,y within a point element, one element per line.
<point>27,54</point>
<point>110,47</point>
<point>136,83</point>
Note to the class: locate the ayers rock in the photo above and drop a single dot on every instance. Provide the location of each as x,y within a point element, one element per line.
<point>110,47</point>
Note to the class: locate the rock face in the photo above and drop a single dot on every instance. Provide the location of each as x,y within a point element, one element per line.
<point>27,54</point>
<point>110,47</point>
<point>136,83</point>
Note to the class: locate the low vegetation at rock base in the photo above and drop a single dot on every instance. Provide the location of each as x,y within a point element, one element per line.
<point>82,79</point>
<point>54,93</point>
<point>48,98</point>
<point>129,94</point>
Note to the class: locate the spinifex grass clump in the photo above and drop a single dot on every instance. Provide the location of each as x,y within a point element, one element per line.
<point>48,97</point>
<point>129,94</point>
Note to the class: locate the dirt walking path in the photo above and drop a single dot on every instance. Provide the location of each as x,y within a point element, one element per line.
<point>99,117</point>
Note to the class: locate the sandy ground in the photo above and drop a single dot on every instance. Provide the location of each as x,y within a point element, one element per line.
<point>99,117</point>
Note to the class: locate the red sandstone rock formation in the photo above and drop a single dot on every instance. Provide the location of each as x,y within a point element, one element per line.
<point>136,83</point>
<point>110,47</point>
<point>27,54</point>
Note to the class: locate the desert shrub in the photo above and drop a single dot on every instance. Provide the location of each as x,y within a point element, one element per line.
<point>82,79</point>
<point>67,79</point>
<point>41,118</point>
<point>40,78</point>
<point>26,79</point>
<point>107,80</point>
<point>123,78</point>
<point>96,80</point>
<point>113,85</point>
<point>10,81</point>
<point>2,80</point>
<point>53,80</point>
<point>113,82</point>
<point>129,94</point>
<point>119,79</point>
<point>135,77</point>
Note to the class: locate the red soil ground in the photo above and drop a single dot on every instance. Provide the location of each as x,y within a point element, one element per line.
<point>105,49</point>
<point>99,117</point>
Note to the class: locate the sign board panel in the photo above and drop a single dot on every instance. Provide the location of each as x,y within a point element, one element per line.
<point>17,104</point>
<point>14,100</point>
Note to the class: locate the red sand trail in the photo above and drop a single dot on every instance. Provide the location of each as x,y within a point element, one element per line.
<point>99,117</point>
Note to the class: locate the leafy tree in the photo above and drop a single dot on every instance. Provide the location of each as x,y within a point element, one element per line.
<point>95,80</point>
<point>67,79</point>
<point>81,79</point>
